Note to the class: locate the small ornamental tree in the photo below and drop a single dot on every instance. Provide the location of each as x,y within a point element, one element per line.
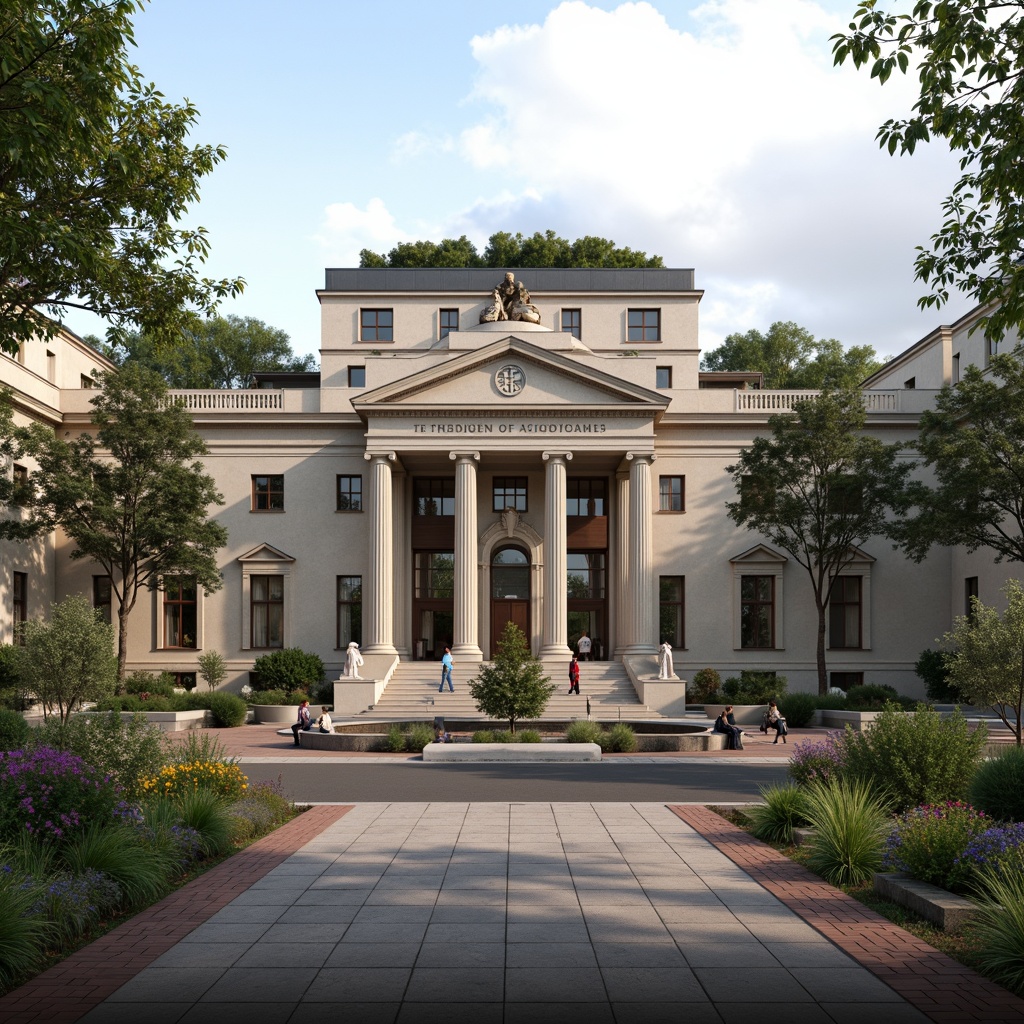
<point>513,687</point>
<point>212,669</point>
<point>987,665</point>
<point>68,659</point>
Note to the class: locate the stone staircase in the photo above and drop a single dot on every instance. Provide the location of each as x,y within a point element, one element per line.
<point>412,693</point>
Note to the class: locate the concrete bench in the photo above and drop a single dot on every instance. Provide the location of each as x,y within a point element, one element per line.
<point>511,753</point>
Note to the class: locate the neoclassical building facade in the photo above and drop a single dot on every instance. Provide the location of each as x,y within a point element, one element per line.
<point>550,455</point>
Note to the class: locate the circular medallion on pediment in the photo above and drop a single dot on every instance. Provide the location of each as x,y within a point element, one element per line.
<point>510,380</point>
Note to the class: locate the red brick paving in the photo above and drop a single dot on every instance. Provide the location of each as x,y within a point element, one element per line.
<point>942,989</point>
<point>76,985</point>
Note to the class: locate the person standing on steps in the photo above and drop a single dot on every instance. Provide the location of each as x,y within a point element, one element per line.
<point>446,671</point>
<point>574,676</point>
<point>584,645</point>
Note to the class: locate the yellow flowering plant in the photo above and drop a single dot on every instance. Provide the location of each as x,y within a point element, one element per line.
<point>221,777</point>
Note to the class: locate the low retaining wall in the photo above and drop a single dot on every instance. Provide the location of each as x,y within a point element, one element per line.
<point>166,721</point>
<point>945,909</point>
<point>511,752</point>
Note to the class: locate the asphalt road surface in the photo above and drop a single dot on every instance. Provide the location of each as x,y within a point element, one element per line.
<point>682,781</point>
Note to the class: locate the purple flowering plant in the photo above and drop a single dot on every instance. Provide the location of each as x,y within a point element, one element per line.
<point>821,761</point>
<point>928,843</point>
<point>50,794</point>
<point>999,849</point>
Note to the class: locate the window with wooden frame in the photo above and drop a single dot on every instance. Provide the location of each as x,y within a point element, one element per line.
<point>435,574</point>
<point>845,608</point>
<point>19,591</point>
<point>672,494</point>
<point>586,497</point>
<point>376,325</point>
<point>101,597</point>
<point>572,322</point>
<point>180,607</point>
<point>448,321</point>
<point>266,611</point>
<point>350,610</point>
<point>757,612</point>
<point>350,494</point>
<point>268,493</point>
<point>970,595</point>
<point>509,492</point>
<point>844,680</point>
<point>671,610</point>
<point>643,325</point>
<point>434,496</point>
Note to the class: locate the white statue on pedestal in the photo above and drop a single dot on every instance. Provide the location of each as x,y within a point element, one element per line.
<point>353,659</point>
<point>667,671</point>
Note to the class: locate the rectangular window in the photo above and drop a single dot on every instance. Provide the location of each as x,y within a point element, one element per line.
<point>19,477</point>
<point>51,367</point>
<point>179,612</point>
<point>87,383</point>
<point>101,597</point>
<point>672,494</point>
<point>910,384</point>
<point>846,497</point>
<point>586,575</point>
<point>268,494</point>
<point>435,574</point>
<point>376,325</point>
<point>448,321</point>
<point>19,587</point>
<point>956,367</point>
<point>267,611</point>
<point>844,680</point>
<point>585,497</point>
<point>672,604</point>
<point>572,321</point>
<point>970,592</point>
<point>757,612</point>
<point>663,377</point>
<point>509,492</point>
<point>357,376</point>
<point>844,613</point>
<point>350,610</point>
<point>350,494</point>
<point>643,325</point>
<point>434,496</point>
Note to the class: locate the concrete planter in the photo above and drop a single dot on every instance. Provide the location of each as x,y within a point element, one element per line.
<point>275,714</point>
<point>167,721</point>
<point>944,909</point>
<point>857,720</point>
<point>745,714</point>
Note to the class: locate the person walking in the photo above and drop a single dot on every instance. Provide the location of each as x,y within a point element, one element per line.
<point>446,671</point>
<point>574,676</point>
<point>584,645</point>
<point>777,721</point>
<point>303,722</point>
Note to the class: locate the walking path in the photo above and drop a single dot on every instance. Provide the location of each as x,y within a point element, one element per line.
<point>414,913</point>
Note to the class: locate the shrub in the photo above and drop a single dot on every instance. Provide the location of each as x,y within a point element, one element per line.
<point>224,778</point>
<point>820,761</point>
<point>13,730</point>
<point>754,687</point>
<point>212,669</point>
<point>51,794</point>
<point>920,758</point>
<point>928,843</point>
<point>287,669</point>
<point>998,785</point>
<point>162,833</point>
<point>73,903</point>
<point>850,823</point>
<point>146,682</point>
<point>528,736</point>
<point>504,736</point>
<point>831,702</point>
<point>931,667</point>
<point>623,738</point>
<point>227,709</point>
<point>999,928</point>
<point>262,809</point>
<point>127,751</point>
<point>119,854</point>
<point>999,849</point>
<point>322,692</point>
<point>784,808</point>
<point>395,741</point>
<point>199,745</point>
<point>874,697</point>
<point>583,732</point>
<point>483,736</point>
<point>12,694</point>
<point>705,683</point>
<point>798,709</point>
<point>418,737</point>
<point>208,814</point>
<point>278,698</point>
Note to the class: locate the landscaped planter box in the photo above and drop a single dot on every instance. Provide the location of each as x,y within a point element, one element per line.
<point>745,714</point>
<point>857,720</point>
<point>167,721</point>
<point>275,714</point>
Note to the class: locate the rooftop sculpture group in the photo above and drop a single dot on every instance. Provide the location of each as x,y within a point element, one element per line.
<point>510,300</point>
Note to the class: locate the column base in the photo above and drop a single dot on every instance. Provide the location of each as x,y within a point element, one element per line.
<point>631,649</point>
<point>467,652</point>
<point>555,651</point>
<point>379,649</point>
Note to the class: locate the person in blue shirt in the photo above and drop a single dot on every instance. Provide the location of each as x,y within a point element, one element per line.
<point>446,670</point>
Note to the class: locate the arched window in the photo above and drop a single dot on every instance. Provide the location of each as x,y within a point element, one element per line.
<point>510,574</point>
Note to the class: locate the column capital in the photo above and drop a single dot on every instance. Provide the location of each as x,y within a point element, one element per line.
<point>464,456</point>
<point>551,456</point>
<point>388,456</point>
<point>640,456</point>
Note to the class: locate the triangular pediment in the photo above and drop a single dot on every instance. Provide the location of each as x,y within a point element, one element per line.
<point>858,556</point>
<point>759,553</point>
<point>265,553</point>
<point>512,375</point>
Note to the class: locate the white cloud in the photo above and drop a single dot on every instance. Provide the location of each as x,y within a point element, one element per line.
<point>347,229</point>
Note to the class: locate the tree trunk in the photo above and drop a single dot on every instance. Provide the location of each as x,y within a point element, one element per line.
<point>122,644</point>
<point>822,673</point>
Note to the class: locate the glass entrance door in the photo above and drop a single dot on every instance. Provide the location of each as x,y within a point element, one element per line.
<point>586,601</point>
<point>510,593</point>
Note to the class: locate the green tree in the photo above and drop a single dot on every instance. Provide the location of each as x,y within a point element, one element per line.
<point>513,686</point>
<point>222,352</point>
<point>966,54</point>
<point>817,488</point>
<point>212,669</point>
<point>129,496</point>
<point>973,442</point>
<point>95,174</point>
<point>789,356</point>
<point>986,659</point>
<point>507,250</point>
<point>69,659</point>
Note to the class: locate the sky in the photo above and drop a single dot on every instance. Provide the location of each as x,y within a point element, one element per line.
<point>717,135</point>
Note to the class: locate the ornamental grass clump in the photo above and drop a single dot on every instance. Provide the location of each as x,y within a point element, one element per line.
<point>50,795</point>
<point>583,732</point>
<point>999,929</point>
<point>850,824</point>
<point>820,761</point>
<point>23,936</point>
<point>784,809</point>
<point>225,779</point>
<point>928,843</point>
<point>998,785</point>
<point>999,850</point>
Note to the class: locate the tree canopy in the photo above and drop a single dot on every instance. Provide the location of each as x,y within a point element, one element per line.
<point>129,496</point>
<point>966,54</point>
<point>506,250</point>
<point>817,488</point>
<point>95,172</point>
<point>973,442</point>
<point>222,352</point>
<point>789,356</point>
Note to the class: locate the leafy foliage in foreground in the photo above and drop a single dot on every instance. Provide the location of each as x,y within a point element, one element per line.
<point>514,686</point>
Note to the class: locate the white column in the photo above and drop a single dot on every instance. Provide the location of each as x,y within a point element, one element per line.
<point>556,580</point>
<point>402,576</point>
<point>643,597</point>
<point>378,592</point>
<point>620,566</point>
<point>466,625</point>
